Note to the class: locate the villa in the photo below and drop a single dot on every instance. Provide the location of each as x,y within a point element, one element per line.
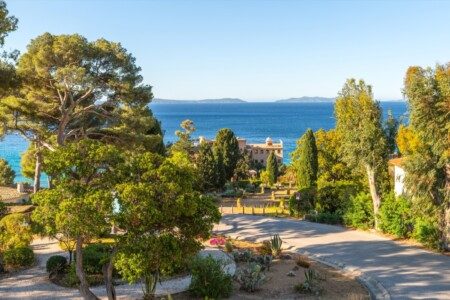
<point>399,175</point>
<point>12,195</point>
<point>258,152</point>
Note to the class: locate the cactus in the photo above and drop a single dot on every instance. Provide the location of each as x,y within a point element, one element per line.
<point>275,245</point>
<point>251,277</point>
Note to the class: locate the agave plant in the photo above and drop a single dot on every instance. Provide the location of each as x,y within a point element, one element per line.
<point>275,245</point>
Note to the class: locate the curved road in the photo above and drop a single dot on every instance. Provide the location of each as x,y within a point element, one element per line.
<point>406,272</point>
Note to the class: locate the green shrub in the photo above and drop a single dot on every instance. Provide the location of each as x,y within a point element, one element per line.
<point>71,279</point>
<point>209,279</point>
<point>56,264</point>
<point>334,197</point>
<point>306,203</point>
<point>15,231</point>
<point>18,257</point>
<point>228,247</point>
<point>325,217</point>
<point>3,209</point>
<point>395,216</point>
<point>426,231</point>
<point>94,257</point>
<point>360,211</point>
<point>251,277</point>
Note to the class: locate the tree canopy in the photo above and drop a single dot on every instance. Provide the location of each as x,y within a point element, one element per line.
<point>7,174</point>
<point>305,161</point>
<point>272,168</point>
<point>358,121</point>
<point>163,215</point>
<point>226,150</point>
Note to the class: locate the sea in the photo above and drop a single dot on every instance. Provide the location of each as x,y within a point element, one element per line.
<point>254,121</point>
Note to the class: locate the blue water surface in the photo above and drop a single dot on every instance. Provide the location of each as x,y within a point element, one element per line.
<point>253,121</point>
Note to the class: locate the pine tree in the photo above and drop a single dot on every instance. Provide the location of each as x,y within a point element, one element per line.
<point>6,173</point>
<point>272,168</point>
<point>207,168</point>
<point>305,162</point>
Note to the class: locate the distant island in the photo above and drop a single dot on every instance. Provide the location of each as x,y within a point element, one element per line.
<point>306,99</point>
<point>221,100</point>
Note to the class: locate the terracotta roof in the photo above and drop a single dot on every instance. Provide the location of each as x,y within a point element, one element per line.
<point>396,161</point>
<point>9,193</point>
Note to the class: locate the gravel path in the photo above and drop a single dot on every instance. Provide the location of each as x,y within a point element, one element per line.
<point>406,272</point>
<point>33,283</point>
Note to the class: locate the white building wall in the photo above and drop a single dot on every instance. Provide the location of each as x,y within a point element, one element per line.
<point>399,176</point>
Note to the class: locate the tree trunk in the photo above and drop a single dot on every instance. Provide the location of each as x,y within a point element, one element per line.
<point>84,285</point>
<point>373,193</point>
<point>108,274</point>
<point>37,172</point>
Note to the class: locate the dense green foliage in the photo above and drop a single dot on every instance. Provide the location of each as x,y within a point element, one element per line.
<point>363,141</point>
<point>226,150</point>
<point>396,216</point>
<point>272,168</point>
<point>390,126</point>
<point>7,174</point>
<point>427,165</point>
<point>56,264</point>
<point>164,216</point>
<point>305,161</point>
<point>207,168</point>
<point>3,209</point>
<point>22,256</point>
<point>209,279</point>
<point>15,231</point>
<point>95,256</point>
<point>334,197</point>
<point>184,143</point>
<point>360,212</point>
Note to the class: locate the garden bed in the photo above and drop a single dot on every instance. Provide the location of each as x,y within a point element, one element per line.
<point>330,283</point>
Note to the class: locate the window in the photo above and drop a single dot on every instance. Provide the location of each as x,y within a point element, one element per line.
<point>267,150</point>
<point>262,161</point>
<point>279,151</point>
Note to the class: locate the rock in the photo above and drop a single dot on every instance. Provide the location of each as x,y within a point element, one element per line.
<point>291,274</point>
<point>286,256</point>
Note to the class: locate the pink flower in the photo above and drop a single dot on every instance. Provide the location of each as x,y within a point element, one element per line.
<point>217,241</point>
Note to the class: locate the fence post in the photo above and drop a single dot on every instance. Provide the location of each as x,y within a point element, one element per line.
<point>253,210</point>
<point>232,209</point>
<point>243,210</point>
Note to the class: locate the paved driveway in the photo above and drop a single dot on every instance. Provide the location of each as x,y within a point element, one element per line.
<point>405,271</point>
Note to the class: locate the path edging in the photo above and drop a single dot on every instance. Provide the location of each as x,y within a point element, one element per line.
<point>376,289</point>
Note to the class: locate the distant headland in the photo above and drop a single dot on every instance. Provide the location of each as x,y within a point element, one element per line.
<point>304,99</point>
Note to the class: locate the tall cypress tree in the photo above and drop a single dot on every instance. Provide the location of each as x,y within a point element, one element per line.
<point>207,168</point>
<point>305,162</point>
<point>226,146</point>
<point>272,168</point>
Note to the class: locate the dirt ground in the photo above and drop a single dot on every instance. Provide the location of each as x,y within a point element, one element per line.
<point>280,286</point>
<point>333,284</point>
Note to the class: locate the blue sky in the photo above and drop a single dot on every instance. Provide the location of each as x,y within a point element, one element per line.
<point>254,50</point>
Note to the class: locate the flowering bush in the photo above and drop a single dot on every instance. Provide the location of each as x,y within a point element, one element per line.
<point>217,241</point>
